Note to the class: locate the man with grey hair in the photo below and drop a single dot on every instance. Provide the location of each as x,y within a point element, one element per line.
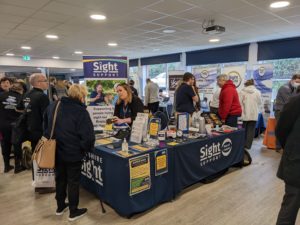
<point>229,104</point>
<point>34,104</point>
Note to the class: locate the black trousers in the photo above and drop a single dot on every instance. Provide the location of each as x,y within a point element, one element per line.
<point>153,107</point>
<point>250,132</point>
<point>232,121</point>
<point>67,177</point>
<point>289,206</point>
<point>6,145</point>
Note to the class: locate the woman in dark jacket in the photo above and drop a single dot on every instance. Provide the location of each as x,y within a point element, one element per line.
<point>74,134</point>
<point>128,105</point>
<point>288,134</point>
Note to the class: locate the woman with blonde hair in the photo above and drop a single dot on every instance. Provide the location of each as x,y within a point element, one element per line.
<point>128,105</point>
<point>74,134</point>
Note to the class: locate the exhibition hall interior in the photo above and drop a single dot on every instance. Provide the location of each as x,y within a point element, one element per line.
<point>142,112</point>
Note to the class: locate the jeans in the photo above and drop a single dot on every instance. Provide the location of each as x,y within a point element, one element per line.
<point>289,206</point>
<point>67,177</point>
<point>250,132</point>
<point>232,121</point>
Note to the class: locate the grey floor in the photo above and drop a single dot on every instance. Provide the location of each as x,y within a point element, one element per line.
<point>248,196</point>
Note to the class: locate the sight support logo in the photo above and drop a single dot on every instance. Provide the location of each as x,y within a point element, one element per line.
<point>108,69</point>
<point>235,77</point>
<point>91,168</point>
<point>204,74</point>
<point>214,151</point>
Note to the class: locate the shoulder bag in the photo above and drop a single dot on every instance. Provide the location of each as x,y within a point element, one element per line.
<point>44,152</point>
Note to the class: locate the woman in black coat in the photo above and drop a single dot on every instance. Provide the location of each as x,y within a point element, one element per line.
<point>74,134</point>
<point>288,134</point>
<point>128,105</point>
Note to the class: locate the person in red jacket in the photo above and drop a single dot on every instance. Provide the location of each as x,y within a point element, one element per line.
<point>229,106</point>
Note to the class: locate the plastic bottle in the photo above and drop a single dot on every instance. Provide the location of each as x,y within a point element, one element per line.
<point>125,146</point>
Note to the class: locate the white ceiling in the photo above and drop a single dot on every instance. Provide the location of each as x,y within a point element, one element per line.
<point>137,25</point>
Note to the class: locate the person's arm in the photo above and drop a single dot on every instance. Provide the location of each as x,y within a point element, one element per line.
<point>146,95</point>
<point>194,96</point>
<point>44,102</point>
<point>287,119</point>
<point>94,97</point>
<point>85,129</point>
<point>45,123</point>
<point>227,98</point>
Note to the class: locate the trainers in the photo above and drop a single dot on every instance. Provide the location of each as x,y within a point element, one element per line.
<point>60,211</point>
<point>77,214</point>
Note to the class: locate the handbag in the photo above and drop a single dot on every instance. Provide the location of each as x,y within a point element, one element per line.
<point>44,152</point>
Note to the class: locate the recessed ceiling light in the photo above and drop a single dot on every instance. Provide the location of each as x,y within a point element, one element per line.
<point>10,54</point>
<point>112,44</point>
<point>51,36</point>
<point>213,40</point>
<point>73,70</point>
<point>26,47</point>
<point>55,57</point>
<point>169,31</point>
<point>78,52</point>
<point>279,4</point>
<point>97,17</point>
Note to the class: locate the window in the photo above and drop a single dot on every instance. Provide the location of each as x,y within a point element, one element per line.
<point>158,74</point>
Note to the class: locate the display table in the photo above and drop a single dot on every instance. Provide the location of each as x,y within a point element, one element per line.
<point>270,138</point>
<point>107,174</point>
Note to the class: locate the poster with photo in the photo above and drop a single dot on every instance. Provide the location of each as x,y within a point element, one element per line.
<point>140,177</point>
<point>263,75</point>
<point>173,78</point>
<point>206,80</point>
<point>102,75</point>
<point>237,74</point>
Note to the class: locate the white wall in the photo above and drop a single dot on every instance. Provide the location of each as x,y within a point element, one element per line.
<point>49,63</point>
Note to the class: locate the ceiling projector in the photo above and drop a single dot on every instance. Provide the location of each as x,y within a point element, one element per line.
<point>215,29</point>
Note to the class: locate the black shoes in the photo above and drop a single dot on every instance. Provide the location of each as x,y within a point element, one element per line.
<point>77,214</point>
<point>7,168</point>
<point>61,210</point>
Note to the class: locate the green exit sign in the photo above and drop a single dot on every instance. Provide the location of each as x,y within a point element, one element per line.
<point>26,58</point>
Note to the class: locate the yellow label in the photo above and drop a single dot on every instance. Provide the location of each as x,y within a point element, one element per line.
<point>103,141</point>
<point>108,127</point>
<point>161,162</point>
<point>172,143</point>
<point>140,148</point>
<point>153,129</point>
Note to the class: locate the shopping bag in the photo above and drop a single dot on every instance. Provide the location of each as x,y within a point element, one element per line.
<point>43,178</point>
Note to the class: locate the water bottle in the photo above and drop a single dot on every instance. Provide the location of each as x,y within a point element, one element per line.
<point>125,146</point>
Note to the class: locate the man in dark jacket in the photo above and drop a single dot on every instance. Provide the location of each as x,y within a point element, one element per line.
<point>284,93</point>
<point>74,134</point>
<point>287,132</point>
<point>35,103</point>
<point>134,91</point>
<point>229,106</point>
<point>8,115</point>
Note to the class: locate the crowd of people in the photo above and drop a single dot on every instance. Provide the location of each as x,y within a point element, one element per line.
<point>74,131</point>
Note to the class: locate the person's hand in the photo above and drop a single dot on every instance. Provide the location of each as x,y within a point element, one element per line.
<point>118,121</point>
<point>223,121</point>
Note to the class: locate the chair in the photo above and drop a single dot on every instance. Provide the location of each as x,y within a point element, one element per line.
<point>163,118</point>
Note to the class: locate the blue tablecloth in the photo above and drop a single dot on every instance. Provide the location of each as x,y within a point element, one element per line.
<point>107,175</point>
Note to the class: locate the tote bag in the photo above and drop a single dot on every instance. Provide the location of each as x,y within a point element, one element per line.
<point>44,152</point>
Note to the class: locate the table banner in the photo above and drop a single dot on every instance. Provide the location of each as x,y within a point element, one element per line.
<point>198,160</point>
